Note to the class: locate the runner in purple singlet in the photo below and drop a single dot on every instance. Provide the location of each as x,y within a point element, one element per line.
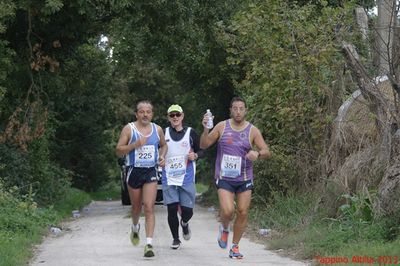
<point>239,143</point>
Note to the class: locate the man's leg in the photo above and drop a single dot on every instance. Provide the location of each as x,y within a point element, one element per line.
<point>149,197</point>
<point>173,220</point>
<point>187,197</point>
<point>136,203</point>
<point>242,204</point>
<point>187,214</point>
<point>226,206</point>
<point>136,208</point>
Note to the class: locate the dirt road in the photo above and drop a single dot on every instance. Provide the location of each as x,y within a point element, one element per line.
<point>100,236</point>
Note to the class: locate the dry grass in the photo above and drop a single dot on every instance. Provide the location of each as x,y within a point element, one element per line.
<point>353,164</point>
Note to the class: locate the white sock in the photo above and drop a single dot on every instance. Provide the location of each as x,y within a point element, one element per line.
<point>225,229</point>
<point>149,240</point>
<point>135,227</point>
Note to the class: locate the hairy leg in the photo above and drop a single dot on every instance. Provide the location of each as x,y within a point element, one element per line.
<point>226,205</point>
<point>135,195</point>
<point>149,198</point>
<point>243,200</point>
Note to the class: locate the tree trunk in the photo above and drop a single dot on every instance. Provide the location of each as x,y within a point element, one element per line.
<point>378,104</point>
<point>386,22</point>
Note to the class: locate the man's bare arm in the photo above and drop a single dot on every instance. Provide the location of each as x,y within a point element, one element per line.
<point>123,147</point>
<point>259,142</point>
<point>208,138</point>
<point>163,147</point>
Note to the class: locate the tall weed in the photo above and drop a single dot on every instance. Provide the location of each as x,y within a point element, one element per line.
<point>285,211</point>
<point>309,232</point>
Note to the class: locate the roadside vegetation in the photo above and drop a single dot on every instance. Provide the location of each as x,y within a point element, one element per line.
<point>23,223</point>
<point>304,229</point>
<point>301,228</point>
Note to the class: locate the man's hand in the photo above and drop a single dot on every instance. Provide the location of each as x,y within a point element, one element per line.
<point>140,142</point>
<point>252,155</point>
<point>192,156</point>
<point>205,120</point>
<point>161,161</point>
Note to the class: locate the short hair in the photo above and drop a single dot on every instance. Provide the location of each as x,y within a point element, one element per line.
<point>237,99</point>
<point>143,102</point>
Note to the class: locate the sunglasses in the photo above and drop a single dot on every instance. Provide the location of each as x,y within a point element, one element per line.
<point>175,115</point>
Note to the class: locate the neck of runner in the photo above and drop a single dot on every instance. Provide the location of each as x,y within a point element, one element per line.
<point>238,125</point>
<point>144,129</point>
<point>178,128</point>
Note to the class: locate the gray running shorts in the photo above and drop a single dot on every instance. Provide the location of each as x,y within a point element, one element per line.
<point>184,195</point>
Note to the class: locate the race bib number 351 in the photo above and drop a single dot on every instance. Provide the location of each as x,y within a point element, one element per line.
<point>231,166</point>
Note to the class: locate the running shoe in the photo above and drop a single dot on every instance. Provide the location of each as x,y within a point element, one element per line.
<point>186,231</point>
<point>148,251</point>
<point>176,244</point>
<point>135,236</point>
<point>222,237</point>
<point>234,252</point>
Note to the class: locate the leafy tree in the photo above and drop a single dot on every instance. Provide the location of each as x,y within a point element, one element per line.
<point>56,79</point>
<point>167,52</point>
<point>286,58</point>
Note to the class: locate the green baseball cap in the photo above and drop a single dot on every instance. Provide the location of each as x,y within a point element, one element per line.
<point>175,108</point>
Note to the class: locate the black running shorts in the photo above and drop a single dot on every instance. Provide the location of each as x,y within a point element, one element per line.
<point>137,177</point>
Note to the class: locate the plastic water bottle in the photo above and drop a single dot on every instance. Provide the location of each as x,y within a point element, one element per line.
<point>210,122</point>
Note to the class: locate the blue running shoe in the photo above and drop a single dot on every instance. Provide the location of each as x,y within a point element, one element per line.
<point>222,237</point>
<point>234,252</point>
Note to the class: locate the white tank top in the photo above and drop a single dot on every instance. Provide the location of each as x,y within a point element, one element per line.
<point>176,159</point>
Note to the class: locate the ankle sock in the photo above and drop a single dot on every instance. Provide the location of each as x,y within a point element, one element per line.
<point>135,228</point>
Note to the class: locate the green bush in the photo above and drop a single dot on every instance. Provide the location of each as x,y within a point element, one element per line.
<point>21,224</point>
<point>15,169</point>
<point>33,173</point>
<point>74,199</point>
<point>276,175</point>
<point>22,215</point>
<point>109,191</point>
<point>356,209</point>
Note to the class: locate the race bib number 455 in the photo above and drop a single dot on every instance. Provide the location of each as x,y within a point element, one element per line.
<point>176,166</point>
<point>175,169</point>
<point>231,166</point>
